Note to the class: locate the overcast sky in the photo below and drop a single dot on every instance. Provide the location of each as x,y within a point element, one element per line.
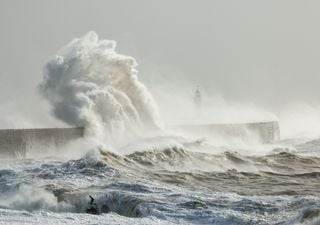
<point>265,52</point>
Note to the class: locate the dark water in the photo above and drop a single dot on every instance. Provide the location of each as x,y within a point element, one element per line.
<point>170,185</point>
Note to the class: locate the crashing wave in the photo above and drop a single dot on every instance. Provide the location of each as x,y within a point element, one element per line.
<point>89,84</point>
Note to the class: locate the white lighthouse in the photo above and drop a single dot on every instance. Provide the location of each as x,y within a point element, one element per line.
<point>197,101</point>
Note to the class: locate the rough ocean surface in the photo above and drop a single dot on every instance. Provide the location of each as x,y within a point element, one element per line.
<point>175,185</point>
<point>139,173</point>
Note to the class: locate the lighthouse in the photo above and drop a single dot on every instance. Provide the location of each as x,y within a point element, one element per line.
<point>197,101</point>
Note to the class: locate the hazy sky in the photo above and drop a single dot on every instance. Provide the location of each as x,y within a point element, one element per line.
<point>266,52</point>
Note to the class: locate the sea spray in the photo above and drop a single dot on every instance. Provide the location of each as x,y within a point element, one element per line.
<point>30,198</point>
<point>89,84</point>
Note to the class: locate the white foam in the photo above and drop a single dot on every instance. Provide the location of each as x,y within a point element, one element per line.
<point>28,197</point>
<point>89,84</point>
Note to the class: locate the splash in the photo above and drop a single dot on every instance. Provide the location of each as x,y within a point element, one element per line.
<point>89,84</point>
<point>30,198</point>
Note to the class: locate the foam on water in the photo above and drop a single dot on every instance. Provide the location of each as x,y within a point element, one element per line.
<point>162,186</point>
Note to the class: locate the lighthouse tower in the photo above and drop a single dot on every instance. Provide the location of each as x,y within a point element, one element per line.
<point>197,101</point>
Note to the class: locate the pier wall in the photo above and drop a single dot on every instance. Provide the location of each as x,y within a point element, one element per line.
<point>17,142</point>
<point>263,132</point>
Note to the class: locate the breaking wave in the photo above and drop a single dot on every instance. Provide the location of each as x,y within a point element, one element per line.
<point>89,84</point>
<point>171,183</point>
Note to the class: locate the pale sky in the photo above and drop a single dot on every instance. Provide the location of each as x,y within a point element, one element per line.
<point>265,52</point>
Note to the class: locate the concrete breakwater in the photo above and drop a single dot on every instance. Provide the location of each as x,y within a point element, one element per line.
<point>17,142</point>
<point>262,132</point>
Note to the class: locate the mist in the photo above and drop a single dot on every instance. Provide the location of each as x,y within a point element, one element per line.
<point>252,60</point>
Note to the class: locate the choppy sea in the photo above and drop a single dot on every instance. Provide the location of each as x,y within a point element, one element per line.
<point>183,182</point>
